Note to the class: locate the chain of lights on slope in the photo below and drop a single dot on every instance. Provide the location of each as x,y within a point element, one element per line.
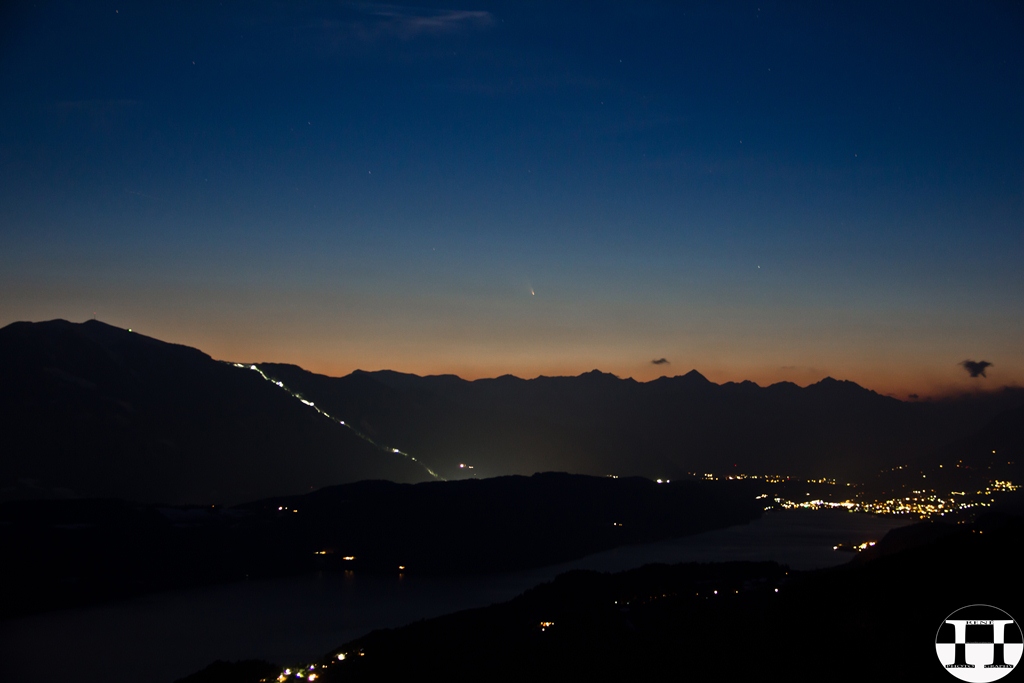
<point>341,422</point>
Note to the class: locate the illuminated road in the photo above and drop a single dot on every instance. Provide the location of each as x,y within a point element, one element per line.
<point>330,417</point>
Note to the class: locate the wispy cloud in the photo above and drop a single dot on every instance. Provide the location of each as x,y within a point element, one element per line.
<point>414,21</point>
<point>409,22</point>
<point>660,361</point>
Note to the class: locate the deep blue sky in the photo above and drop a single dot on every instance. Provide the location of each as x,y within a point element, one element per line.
<point>760,191</point>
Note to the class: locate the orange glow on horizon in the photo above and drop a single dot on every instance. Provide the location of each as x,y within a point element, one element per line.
<point>896,373</point>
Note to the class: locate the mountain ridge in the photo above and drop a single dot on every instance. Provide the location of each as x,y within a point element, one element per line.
<point>829,428</point>
<point>92,410</point>
<point>95,410</point>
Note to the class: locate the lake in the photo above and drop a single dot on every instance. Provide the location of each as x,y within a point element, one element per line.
<point>163,637</point>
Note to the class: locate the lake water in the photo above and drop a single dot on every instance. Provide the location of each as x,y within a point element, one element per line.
<point>163,637</point>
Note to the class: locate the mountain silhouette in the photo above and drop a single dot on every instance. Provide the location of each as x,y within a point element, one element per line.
<point>599,424</point>
<point>92,410</point>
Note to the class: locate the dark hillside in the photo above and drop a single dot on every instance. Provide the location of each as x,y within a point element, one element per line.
<point>83,551</point>
<point>95,411</point>
<point>599,424</point>
<point>739,621</point>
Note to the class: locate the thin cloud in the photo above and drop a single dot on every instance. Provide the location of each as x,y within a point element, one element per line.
<point>975,368</point>
<point>409,22</point>
<point>660,361</point>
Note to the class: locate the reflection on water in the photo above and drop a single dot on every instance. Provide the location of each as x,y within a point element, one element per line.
<point>163,637</point>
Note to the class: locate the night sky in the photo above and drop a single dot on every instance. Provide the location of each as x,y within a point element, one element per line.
<point>760,191</point>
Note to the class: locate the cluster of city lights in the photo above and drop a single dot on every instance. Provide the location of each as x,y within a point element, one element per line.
<point>921,503</point>
<point>305,674</point>
<point>768,478</point>
<point>861,547</point>
<point>309,672</point>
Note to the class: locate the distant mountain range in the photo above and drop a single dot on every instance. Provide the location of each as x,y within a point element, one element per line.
<point>597,423</point>
<point>92,410</point>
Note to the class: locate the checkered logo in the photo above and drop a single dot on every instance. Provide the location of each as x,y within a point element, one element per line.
<point>979,643</point>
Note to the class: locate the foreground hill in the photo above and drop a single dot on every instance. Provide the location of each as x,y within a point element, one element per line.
<point>874,620</point>
<point>80,551</point>
<point>600,424</point>
<point>96,411</point>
